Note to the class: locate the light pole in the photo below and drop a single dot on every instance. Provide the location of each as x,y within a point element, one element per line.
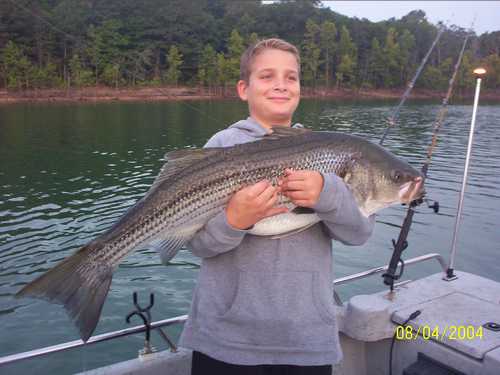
<point>478,73</point>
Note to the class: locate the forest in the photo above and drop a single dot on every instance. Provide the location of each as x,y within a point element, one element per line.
<point>148,43</point>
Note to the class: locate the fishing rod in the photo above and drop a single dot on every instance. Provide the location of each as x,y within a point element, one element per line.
<point>392,118</point>
<point>478,73</point>
<point>401,244</point>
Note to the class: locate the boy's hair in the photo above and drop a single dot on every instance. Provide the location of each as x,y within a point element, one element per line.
<point>251,52</point>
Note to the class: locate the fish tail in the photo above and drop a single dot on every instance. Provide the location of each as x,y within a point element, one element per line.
<point>77,283</point>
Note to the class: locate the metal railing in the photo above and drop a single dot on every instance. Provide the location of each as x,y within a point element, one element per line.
<point>182,318</point>
<point>92,340</point>
<point>377,270</point>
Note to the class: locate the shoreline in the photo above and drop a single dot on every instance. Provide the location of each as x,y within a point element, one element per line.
<point>152,94</point>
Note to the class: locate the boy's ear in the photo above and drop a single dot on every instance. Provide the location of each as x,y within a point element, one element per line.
<point>241,87</point>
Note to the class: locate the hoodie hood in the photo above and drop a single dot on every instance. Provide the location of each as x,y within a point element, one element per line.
<point>252,128</point>
<point>243,131</point>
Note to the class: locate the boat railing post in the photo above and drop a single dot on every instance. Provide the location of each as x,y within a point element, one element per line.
<point>479,72</point>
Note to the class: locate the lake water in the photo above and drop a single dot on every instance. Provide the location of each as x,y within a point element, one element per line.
<point>67,172</point>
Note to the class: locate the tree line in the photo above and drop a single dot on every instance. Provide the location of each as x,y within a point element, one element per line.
<point>77,43</point>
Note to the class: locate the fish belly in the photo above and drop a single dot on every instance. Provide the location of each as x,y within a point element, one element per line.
<point>284,224</point>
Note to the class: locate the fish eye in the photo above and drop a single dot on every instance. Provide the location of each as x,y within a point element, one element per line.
<point>396,175</point>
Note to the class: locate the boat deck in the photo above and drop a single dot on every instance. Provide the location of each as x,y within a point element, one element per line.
<point>368,323</point>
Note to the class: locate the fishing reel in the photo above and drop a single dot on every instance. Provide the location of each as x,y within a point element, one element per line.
<point>401,244</point>
<point>418,202</point>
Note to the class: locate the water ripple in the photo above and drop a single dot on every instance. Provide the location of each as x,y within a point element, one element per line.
<point>93,171</point>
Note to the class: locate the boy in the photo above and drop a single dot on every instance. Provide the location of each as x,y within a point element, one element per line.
<point>263,306</point>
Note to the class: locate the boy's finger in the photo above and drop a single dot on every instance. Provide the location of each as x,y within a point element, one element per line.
<point>296,195</point>
<point>272,201</point>
<point>266,194</point>
<point>257,189</point>
<point>292,185</point>
<point>296,175</point>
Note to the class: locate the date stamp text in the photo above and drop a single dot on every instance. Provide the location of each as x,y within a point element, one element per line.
<point>448,332</point>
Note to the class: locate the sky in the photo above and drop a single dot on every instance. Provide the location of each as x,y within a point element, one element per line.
<point>460,13</point>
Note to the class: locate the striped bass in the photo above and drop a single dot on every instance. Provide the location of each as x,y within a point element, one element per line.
<point>195,185</point>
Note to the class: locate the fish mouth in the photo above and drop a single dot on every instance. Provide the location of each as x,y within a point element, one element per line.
<point>412,190</point>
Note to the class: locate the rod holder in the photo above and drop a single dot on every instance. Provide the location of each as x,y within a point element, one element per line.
<point>145,314</point>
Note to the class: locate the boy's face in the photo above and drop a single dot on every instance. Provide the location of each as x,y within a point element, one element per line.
<point>273,90</point>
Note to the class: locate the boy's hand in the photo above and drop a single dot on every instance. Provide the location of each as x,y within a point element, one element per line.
<point>253,203</point>
<point>302,187</point>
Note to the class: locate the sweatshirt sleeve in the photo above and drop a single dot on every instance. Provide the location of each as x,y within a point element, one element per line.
<point>340,214</point>
<point>217,235</point>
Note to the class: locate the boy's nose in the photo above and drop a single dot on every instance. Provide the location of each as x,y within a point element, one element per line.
<point>280,84</point>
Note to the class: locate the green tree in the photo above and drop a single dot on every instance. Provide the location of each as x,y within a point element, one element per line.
<point>406,42</point>
<point>492,65</point>
<point>207,68</point>
<point>107,46</point>
<point>376,65</point>
<point>345,70</point>
<point>347,57</point>
<point>174,60</point>
<point>311,52</point>
<point>138,63</point>
<point>96,50</point>
<point>392,60</point>
<point>489,44</point>
<point>17,69</point>
<point>201,76</point>
<point>111,75</point>
<point>118,33</point>
<point>328,34</point>
<point>346,46</point>
<point>45,76</point>
<point>385,62</point>
<point>253,38</point>
<point>221,72</point>
<point>78,75</point>
<point>235,50</point>
<point>437,77</point>
<point>246,24</point>
<point>71,16</point>
<point>431,78</point>
<point>465,78</point>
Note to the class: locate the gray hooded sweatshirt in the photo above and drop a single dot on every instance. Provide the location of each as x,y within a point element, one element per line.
<point>270,301</point>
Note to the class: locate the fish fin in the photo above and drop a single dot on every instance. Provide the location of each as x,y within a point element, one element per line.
<point>169,244</point>
<point>286,234</point>
<point>278,132</point>
<point>168,248</point>
<point>180,159</point>
<point>190,153</point>
<point>78,284</point>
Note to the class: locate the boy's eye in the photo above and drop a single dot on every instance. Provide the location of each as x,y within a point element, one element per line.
<point>292,78</point>
<point>266,76</point>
